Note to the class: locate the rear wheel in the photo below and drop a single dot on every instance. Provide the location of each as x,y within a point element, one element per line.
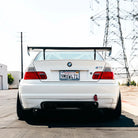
<point>21,113</point>
<point>116,113</point>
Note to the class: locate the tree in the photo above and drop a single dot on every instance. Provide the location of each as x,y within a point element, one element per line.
<point>10,79</point>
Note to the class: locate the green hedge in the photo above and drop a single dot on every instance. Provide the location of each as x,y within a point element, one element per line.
<point>10,79</point>
<point>133,83</point>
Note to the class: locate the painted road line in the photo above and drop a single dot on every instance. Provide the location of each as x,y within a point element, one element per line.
<point>131,108</point>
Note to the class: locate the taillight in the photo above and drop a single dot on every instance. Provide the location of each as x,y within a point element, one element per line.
<point>103,75</point>
<point>35,75</point>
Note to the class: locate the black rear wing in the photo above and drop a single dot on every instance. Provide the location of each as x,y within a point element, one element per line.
<point>43,49</point>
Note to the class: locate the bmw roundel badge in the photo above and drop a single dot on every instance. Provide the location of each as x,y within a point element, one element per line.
<point>69,64</point>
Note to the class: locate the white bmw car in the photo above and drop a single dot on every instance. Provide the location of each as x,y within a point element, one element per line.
<point>68,77</point>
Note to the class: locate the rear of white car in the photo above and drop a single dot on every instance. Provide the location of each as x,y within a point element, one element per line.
<point>69,78</point>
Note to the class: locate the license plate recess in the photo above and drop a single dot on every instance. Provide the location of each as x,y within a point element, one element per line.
<point>69,75</point>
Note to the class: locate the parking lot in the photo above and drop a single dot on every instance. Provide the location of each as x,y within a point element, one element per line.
<point>70,124</point>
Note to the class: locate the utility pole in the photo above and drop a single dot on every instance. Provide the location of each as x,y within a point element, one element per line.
<point>122,44</point>
<point>134,34</point>
<point>105,40</point>
<point>21,55</point>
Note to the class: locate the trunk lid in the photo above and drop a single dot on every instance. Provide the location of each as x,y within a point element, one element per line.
<point>54,69</point>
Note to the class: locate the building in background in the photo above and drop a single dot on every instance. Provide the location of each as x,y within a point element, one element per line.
<point>3,77</point>
<point>17,76</point>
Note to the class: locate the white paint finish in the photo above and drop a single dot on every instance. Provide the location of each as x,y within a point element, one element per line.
<point>3,74</point>
<point>52,68</point>
<point>33,94</point>
<point>1,83</point>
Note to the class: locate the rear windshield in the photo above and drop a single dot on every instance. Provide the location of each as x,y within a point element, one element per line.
<point>73,55</point>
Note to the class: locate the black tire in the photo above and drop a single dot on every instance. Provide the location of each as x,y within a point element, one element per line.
<point>19,109</point>
<point>116,113</point>
<point>21,113</point>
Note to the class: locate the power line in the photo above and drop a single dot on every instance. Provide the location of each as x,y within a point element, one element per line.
<point>113,33</point>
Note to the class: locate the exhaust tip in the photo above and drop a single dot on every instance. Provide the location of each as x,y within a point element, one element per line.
<point>43,106</point>
<point>95,104</point>
<point>35,110</point>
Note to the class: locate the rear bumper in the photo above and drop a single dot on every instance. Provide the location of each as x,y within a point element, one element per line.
<point>69,104</point>
<point>32,94</point>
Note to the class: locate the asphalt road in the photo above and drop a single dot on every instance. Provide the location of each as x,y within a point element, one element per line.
<point>59,124</point>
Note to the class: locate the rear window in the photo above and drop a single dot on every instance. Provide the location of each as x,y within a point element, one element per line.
<point>73,55</point>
